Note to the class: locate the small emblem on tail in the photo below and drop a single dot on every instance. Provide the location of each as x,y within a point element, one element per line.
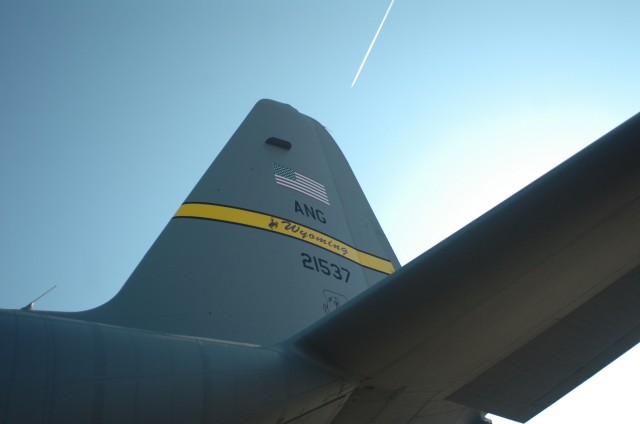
<point>332,301</point>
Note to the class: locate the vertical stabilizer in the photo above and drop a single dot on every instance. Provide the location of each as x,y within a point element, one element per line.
<point>276,234</point>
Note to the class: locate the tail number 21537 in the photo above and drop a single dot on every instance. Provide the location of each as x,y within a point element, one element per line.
<point>324,267</point>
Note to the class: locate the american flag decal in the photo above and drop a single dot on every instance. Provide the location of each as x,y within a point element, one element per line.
<point>289,178</point>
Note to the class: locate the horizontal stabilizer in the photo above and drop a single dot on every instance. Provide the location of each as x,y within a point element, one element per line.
<point>561,358</point>
<point>517,308</point>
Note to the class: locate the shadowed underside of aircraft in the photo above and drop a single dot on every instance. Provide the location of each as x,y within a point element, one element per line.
<point>273,296</point>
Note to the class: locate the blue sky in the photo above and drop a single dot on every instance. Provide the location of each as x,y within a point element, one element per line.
<point>111,111</point>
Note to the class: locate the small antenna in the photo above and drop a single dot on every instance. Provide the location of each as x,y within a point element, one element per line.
<point>30,306</point>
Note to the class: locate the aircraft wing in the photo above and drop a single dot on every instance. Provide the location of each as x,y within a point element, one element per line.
<point>513,311</point>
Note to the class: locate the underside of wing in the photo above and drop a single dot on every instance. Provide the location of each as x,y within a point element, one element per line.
<point>514,310</point>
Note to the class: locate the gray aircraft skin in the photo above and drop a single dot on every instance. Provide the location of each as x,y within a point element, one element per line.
<point>273,296</point>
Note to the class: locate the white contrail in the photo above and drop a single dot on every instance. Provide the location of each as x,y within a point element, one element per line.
<point>371,45</point>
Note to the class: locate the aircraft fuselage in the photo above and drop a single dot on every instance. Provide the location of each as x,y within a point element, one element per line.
<point>65,370</point>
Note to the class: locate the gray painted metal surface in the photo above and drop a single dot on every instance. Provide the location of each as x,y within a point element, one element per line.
<point>516,309</point>
<point>281,265</point>
<point>271,297</point>
<point>62,370</point>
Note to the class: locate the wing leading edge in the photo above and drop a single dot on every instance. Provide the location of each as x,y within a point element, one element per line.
<point>516,309</point>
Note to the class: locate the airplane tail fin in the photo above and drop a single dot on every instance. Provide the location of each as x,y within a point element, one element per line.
<point>276,234</point>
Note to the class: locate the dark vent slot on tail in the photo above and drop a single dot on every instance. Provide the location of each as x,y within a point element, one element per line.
<point>279,143</point>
